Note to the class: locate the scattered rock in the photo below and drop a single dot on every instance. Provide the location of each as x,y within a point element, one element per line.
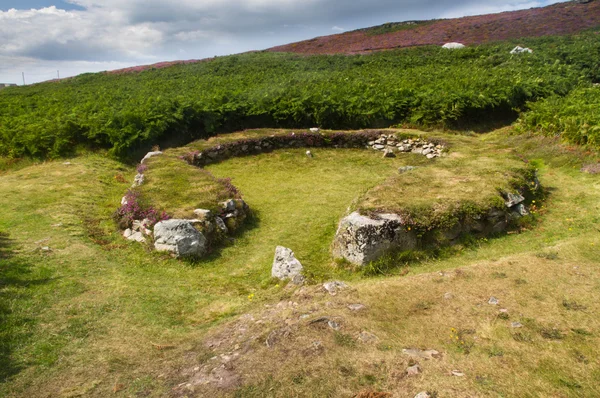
<point>388,153</point>
<point>138,180</point>
<point>520,210</point>
<point>285,264</point>
<point>493,301</point>
<point>334,325</point>
<point>405,169</point>
<point>46,249</point>
<point>134,236</point>
<point>457,373</point>
<point>67,163</point>
<point>315,130</point>
<point>423,354</point>
<point>203,214</point>
<point>309,154</point>
<point>334,287</point>
<point>423,394</point>
<point>180,238</point>
<point>228,205</point>
<point>516,325</point>
<point>366,337</point>
<point>513,199</point>
<point>379,147</point>
<point>356,307</point>
<point>453,46</point>
<point>448,296</point>
<point>221,225</point>
<point>521,50</point>
<point>149,155</point>
<point>414,370</point>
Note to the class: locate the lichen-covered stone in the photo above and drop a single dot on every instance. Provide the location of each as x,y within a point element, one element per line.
<point>360,239</point>
<point>180,238</point>
<point>286,265</point>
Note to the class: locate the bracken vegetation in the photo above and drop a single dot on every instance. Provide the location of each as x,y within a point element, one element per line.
<point>421,86</point>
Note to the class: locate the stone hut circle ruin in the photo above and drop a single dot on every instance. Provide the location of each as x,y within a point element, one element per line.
<point>360,237</point>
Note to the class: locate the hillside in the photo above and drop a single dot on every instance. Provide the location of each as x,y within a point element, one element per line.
<point>558,19</point>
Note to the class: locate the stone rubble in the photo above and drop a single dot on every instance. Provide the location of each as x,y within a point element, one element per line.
<point>390,144</point>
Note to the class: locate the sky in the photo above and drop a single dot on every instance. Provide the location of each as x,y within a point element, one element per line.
<point>48,38</point>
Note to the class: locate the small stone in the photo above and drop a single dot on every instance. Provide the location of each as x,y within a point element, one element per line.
<point>138,180</point>
<point>493,301</point>
<point>430,156</point>
<point>149,155</point>
<point>379,147</point>
<point>516,325</point>
<point>448,296</point>
<point>371,143</point>
<point>427,151</point>
<point>46,249</point>
<point>221,225</point>
<point>366,337</point>
<point>67,163</point>
<point>423,394</point>
<point>309,154</point>
<point>356,307</point>
<point>388,153</point>
<point>503,311</point>
<point>513,199</point>
<point>334,287</point>
<point>228,205</point>
<point>457,373</point>
<point>405,169</point>
<point>315,129</point>
<point>203,214</point>
<point>424,354</point>
<point>521,210</point>
<point>334,325</point>
<point>413,370</point>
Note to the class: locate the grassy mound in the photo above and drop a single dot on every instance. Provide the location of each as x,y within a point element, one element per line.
<point>467,182</point>
<point>173,186</point>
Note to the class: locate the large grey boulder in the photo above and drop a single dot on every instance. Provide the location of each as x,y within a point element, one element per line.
<point>360,239</point>
<point>286,265</point>
<point>180,238</point>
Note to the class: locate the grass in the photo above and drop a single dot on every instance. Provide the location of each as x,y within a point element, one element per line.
<point>174,186</point>
<point>97,316</point>
<point>471,176</point>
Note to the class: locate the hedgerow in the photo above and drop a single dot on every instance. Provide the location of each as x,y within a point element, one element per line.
<point>423,86</point>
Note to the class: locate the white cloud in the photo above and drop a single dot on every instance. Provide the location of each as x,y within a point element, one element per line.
<point>111,33</point>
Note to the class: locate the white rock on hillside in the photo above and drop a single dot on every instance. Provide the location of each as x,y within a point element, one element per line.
<point>149,155</point>
<point>453,46</point>
<point>360,239</point>
<point>180,238</point>
<point>521,50</point>
<point>285,265</point>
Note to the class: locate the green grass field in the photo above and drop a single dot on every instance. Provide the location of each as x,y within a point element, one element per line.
<point>85,313</point>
